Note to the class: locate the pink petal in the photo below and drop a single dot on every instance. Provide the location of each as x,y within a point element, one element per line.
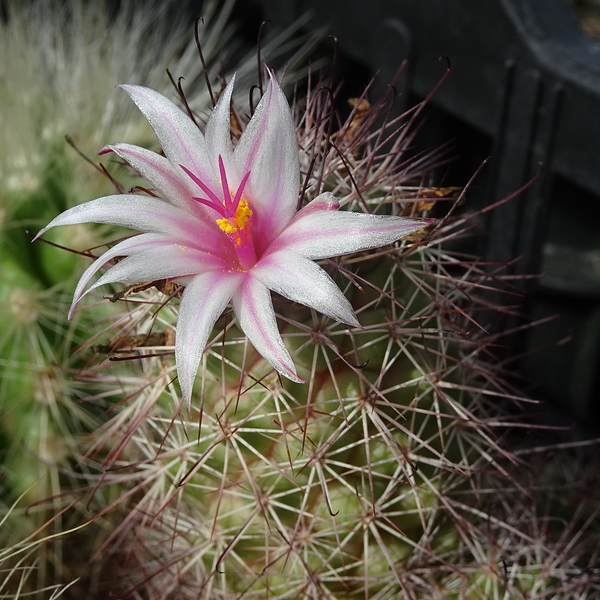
<point>180,139</point>
<point>125,248</point>
<point>202,303</point>
<point>167,180</point>
<point>160,262</point>
<point>268,148</point>
<point>150,215</point>
<point>301,280</point>
<point>254,310</point>
<point>323,234</point>
<point>324,201</point>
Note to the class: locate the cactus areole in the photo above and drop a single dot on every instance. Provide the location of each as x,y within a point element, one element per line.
<point>226,226</point>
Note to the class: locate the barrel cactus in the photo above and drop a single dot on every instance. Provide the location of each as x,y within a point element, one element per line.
<point>349,449</point>
<point>350,443</point>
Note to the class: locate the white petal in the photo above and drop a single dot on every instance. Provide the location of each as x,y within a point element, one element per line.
<point>179,137</point>
<point>169,181</point>
<point>329,233</point>
<point>324,201</point>
<point>150,215</point>
<point>162,262</point>
<point>254,310</point>
<point>268,147</point>
<point>202,303</point>
<point>124,248</point>
<point>301,280</point>
<point>218,135</point>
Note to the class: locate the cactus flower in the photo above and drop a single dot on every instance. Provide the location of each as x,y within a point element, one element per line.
<point>226,226</point>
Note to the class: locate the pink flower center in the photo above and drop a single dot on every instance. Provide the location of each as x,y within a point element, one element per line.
<point>235,212</point>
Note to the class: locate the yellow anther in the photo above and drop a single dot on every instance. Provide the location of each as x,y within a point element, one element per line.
<point>242,214</point>
<point>226,226</point>
<point>239,220</point>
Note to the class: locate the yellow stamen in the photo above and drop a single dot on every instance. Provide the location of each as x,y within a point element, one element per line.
<point>239,220</point>
<point>226,226</point>
<point>242,214</point>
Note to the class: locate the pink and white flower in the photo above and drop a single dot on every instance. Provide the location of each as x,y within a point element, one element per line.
<point>226,226</point>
